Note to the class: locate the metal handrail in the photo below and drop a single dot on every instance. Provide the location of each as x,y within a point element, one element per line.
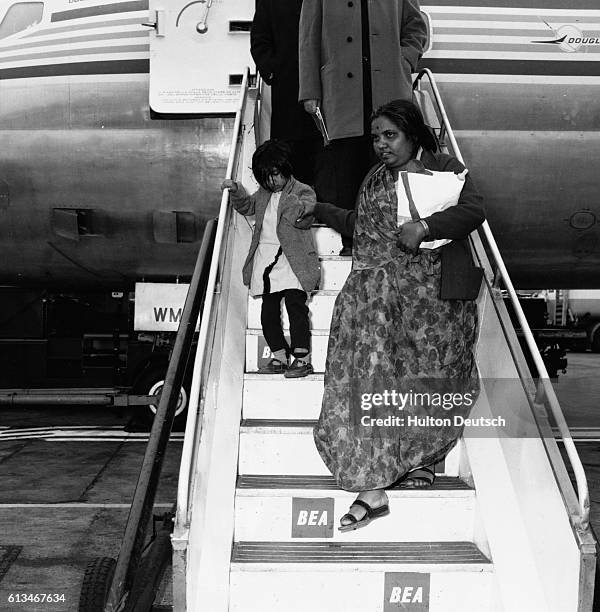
<point>130,553</point>
<point>580,478</point>
<point>196,399</point>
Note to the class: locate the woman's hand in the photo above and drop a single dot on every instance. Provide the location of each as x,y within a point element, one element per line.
<point>229,184</point>
<point>307,210</point>
<point>310,106</point>
<point>410,236</point>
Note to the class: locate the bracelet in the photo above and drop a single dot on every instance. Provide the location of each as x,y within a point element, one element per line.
<point>425,227</point>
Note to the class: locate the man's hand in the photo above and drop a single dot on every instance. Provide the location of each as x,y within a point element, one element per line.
<point>410,236</point>
<point>229,184</point>
<point>310,106</point>
<point>308,210</point>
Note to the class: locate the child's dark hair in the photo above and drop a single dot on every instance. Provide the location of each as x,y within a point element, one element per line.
<point>271,155</point>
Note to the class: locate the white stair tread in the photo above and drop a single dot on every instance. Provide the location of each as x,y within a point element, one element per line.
<point>323,587</point>
<point>269,514</point>
<point>273,395</point>
<point>327,240</point>
<point>282,446</point>
<point>280,378</point>
<point>360,554</point>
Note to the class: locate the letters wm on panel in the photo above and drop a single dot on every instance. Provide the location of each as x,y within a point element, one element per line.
<point>158,306</point>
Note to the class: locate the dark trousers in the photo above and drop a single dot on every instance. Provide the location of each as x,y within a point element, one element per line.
<point>341,169</point>
<point>270,318</point>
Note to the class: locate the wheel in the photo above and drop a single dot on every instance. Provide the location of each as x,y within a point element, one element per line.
<point>96,583</point>
<point>151,382</point>
<point>182,400</point>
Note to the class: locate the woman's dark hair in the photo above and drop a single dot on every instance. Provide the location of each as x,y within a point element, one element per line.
<point>408,117</point>
<point>271,155</point>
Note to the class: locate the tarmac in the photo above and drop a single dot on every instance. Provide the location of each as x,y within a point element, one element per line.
<point>67,477</point>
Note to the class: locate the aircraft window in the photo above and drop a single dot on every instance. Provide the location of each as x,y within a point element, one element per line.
<point>20,16</point>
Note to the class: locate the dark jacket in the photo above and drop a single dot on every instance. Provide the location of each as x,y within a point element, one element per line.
<point>294,235</point>
<point>461,279</point>
<point>331,57</point>
<point>274,47</point>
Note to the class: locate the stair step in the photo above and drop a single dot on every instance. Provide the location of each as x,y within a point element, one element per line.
<point>327,240</point>
<point>360,553</point>
<point>280,514</point>
<point>286,447</point>
<point>360,576</point>
<point>258,353</point>
<point>271,395</point>
<point>320,305</point>
<point>334,272</point>
<point>285,482</point>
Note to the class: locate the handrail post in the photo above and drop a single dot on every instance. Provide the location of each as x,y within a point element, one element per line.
<point>501,272</point>
<point>190,441</point>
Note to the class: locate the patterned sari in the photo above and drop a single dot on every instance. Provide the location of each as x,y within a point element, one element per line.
<point>391,332</point>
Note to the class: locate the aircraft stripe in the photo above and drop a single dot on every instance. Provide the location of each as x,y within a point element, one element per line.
<point>134,66</point>
<point>498,66</point>
<point>510,46</point>
<point>526,80</point>
<point>484,6</point>
<point>483,14</point>
<point>84,26</point>
<point>76,52</point>
<point>78,505</point>
<point>76,39</point>
<point>106,9</point>
<point>500,53</point>
<point>500,30</point>
<point>439,65</point>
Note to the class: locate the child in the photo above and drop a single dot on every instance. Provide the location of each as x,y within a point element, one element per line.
<point>282,262</point>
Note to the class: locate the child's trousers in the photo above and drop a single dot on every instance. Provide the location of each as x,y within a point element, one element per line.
<point>270,318</point>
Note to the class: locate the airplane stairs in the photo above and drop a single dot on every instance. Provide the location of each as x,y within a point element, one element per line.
<point>288,553</point>
<point>256,526</point>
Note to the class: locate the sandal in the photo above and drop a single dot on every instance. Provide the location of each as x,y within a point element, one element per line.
<point>424,474</point>
<point>372,514</point>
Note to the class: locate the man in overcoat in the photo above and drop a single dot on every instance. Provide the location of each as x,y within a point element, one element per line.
<point>354,56</point>
<point>274,47</point>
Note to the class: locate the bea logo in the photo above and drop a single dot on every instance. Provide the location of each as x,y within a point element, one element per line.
<point>406,592</point>
<point>264,354</point>
<point>312,517</point>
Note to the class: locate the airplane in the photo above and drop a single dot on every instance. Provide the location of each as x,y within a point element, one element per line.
<point>115,119</point>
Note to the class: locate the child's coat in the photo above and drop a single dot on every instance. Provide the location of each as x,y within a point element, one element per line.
<point>294,236</point>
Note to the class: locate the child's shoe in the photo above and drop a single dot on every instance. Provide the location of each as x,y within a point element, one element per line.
<point>299,369</point>
<point>275,366</point>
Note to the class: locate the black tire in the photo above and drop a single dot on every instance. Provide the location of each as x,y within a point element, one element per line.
<point>150,382</point>
<point>96,583</point>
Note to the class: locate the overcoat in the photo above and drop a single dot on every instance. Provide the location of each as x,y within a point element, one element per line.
<point>294,235</point>
<point>330,56</point>
<point>274,48</point>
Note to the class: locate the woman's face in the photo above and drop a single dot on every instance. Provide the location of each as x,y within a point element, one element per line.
<point>390,143</point>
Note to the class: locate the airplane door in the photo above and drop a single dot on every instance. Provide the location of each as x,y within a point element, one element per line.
<point>198,54</point>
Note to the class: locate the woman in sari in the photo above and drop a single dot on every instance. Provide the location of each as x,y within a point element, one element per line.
<point>404,322</point>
